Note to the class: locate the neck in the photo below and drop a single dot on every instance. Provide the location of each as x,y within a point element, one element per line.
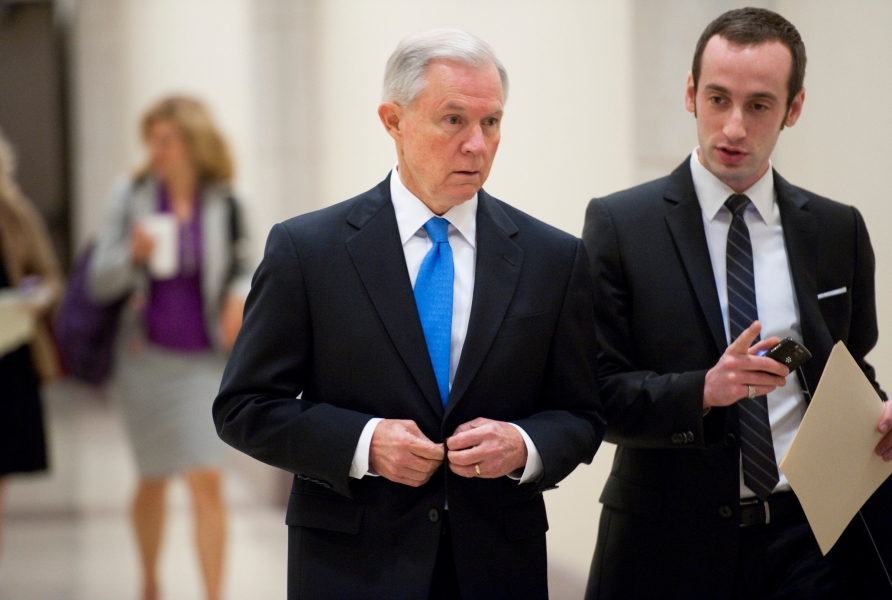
<point>736,185</point>
<point>410,185</point>
<point>181,186</point>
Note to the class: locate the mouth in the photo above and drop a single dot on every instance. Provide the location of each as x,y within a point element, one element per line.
<point>467,173</point>
<point>730,154</point>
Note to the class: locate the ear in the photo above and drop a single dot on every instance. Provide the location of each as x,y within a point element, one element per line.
<point>391,115</point>
<point>795,109</point>
<point>690,95</point>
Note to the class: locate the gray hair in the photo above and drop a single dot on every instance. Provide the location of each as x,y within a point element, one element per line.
<point>404,77</point>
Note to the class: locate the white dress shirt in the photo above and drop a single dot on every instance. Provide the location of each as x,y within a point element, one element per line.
<point>411,215</point>
<point>775,296</point>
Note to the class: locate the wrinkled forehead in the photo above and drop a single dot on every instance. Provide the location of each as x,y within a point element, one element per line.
<point>458,84</point>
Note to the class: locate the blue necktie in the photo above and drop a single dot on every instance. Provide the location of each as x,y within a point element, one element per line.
<point>433,296</point>
<point>760,472</point>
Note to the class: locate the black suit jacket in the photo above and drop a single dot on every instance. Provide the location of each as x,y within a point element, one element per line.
<point>669,525</point>
<point>331,318</point>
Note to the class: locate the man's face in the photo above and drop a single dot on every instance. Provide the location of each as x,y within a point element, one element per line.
<point>447,138</point>
<point>740,105</point>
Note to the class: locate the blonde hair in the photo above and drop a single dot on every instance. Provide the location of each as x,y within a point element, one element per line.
<point>205,142</point>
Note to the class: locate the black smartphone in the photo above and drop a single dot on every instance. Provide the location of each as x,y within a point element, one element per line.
<point>789,352</point>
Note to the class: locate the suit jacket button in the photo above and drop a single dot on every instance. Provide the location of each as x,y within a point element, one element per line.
<point>689,437</point>
<point>678,438</point>
<point>730,440</point>
<point>434,515</point>
<point>725,512</point>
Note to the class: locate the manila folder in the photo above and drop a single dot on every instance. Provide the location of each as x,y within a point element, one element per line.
<point>831,464</point>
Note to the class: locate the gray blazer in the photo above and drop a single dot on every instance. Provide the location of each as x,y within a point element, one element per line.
<point>112,276</point>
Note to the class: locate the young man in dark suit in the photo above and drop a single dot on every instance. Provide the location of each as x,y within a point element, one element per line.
<point>422,357</point>
<point>689,271</point>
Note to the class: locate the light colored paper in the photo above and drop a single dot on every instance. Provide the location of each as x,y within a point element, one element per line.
<point>831,464</point>
<point>16,323</point>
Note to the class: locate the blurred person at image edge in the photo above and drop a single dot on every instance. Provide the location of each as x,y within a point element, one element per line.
<point>27,261</point>
<point>176,331</point>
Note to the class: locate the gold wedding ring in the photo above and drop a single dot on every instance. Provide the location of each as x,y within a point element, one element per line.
<point>477,469</point>
<point>752,392</point>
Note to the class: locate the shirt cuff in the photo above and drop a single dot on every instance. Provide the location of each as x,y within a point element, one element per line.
<point>533,469</point>
<point>359,468</point>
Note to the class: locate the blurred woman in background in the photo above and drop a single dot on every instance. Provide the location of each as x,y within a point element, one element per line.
<point>27,263</point>
<point>181,321</point>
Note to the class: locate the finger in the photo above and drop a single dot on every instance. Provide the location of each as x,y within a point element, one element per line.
<point>773,368</point>
<point>419,465</point>
<point>419,444</point>
<point>884,448</point>
<point>885,423</point>
<point>463,471</point>
<point>470,425</point>
<point>746,339</point>
<point>468,439</point>
<point>759,379</point>
<point>761,390</point>
<point>763,364</point>
<point>426,449</point>
<point>468,458</point>
<point>764,345</point>
<point>414,471</point>
<point>407,481</point>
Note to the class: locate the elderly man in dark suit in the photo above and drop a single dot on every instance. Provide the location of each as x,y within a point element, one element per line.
<point>421,357</point>
<point>689,271</point>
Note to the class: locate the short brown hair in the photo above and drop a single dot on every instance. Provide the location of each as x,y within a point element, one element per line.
<point>206,144</point>
<point>753,26</point>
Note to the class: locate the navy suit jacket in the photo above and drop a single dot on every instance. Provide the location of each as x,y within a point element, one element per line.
<point>669,525</point>
<point>331,318</point>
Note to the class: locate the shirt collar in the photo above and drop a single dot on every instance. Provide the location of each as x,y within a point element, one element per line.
<point>412,213</point>
<point>712,192</point>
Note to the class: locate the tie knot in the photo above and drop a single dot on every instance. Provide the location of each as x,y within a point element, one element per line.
<point>737,204</point>
<point>437,227</point>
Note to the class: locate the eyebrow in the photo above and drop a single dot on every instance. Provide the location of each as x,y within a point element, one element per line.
<point>497,112</point>
<point>724,90</point>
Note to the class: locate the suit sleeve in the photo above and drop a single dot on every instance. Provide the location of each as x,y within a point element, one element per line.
<point>569,426</point>
<point>644,409</point>
<point>863,333</point>
<point>258,410</point>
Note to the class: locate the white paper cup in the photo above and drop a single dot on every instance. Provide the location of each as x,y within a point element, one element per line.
<point>164,229</point>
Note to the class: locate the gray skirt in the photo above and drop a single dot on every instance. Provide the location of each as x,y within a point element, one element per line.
<point>166,398</point>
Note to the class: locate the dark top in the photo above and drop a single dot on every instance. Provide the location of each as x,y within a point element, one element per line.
<point>174,316</point>
<point>22,444</point>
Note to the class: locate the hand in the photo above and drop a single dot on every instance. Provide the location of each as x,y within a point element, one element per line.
<point>231,320</point>
<point>740,367</point>
<point>884,448</point>
<point>141,246</point>
<point>401,453</point>
<point>496,447</point>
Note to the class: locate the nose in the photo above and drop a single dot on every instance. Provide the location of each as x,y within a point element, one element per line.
<point>734,128</point>
<point>475,142</point>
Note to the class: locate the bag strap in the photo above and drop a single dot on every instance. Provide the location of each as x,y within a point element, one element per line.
<point>235,235</point>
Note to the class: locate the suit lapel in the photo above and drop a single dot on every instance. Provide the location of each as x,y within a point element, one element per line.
<point>685,221</point>
<point>499,263</point>
<point>800,239</point>
<point>381,263</point>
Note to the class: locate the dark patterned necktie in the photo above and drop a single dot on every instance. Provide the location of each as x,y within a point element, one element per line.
<point>756,446</point>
